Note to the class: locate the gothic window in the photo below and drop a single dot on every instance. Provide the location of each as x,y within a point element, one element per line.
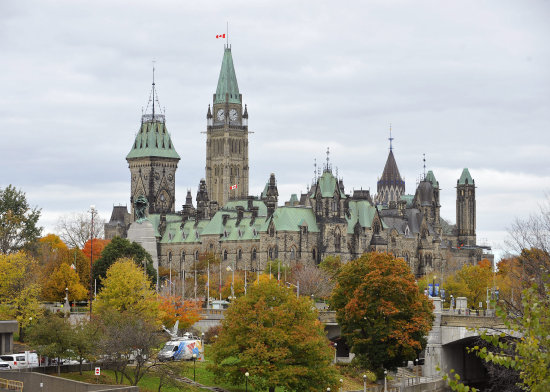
<point>314,254</point>
<point>318,206</point>
<point>304,229</point>
<point>270,253</point>
<point>211,246</point>
<point>337,241</point>
<point>196,255</point>
<point>334,205</point>
<point>170,258</point>
<point>376,227</point>
<point>292,253</point>
<point>183,256</point>
<point>239,254</point>
<point>225,254</point>
<point>253,254</point>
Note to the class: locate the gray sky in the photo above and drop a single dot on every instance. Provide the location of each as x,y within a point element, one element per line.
<point>466,82</point>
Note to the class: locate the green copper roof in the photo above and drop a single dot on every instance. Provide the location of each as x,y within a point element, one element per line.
<point>465,178</point>
<point>292,218</point>
<point>409,199</point>
<point>227,82</point>
<point>362,211</point>
<point>231,205</point>
<point>328,184</point>
<point>430,177</point>
<point>153,140</point>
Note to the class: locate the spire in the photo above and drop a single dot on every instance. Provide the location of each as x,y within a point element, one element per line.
<point>153,98</point>
<point>390,175</point>
<point>465,178</point>
<point>424,160</point>
<point>228,89</point>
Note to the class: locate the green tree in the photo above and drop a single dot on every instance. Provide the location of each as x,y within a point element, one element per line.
<point>18,221</point>
<point>126,289</point>
<point>382,315</point>
<point>119,248</point>
<point>277,338</point>
<point>84,340</point>
<point>52,337</point>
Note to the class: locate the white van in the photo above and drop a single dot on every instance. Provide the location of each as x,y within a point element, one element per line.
<point>21,360</point>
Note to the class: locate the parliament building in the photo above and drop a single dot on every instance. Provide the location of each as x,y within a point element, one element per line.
<point>248,231</point>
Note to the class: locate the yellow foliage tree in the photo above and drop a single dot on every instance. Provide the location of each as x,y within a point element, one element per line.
<point>18,289</point>
<point>127,289</point>
<point>64,277</point>
<point>471,281</point>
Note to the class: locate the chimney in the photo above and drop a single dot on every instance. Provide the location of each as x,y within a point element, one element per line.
<point>250,200</point>
<point>225,217</point>
<point>240,213</point>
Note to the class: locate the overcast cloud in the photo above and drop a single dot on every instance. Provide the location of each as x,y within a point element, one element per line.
<point>466,82</point>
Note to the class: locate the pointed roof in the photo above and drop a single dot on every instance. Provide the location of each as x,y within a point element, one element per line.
<point>391,175</point>
<point>227,81</point>
<point>431,177</point>
<point>465,177</point>
<point>153,140</point>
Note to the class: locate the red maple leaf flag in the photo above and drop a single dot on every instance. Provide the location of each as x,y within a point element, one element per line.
<point>220,35</point>
<point>233,187</point>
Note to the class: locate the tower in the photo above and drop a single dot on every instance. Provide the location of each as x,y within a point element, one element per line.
<point>227,138</point>
<point>153,161</point>
<point>466,209</point>
<point>390,187</point>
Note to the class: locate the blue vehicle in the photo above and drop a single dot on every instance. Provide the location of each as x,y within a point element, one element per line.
<point>182,348</point>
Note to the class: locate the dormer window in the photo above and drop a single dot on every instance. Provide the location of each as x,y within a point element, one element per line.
<point>225,233</point>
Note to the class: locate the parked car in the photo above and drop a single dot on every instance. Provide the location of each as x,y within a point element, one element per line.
<point>4,365</point>
<point>21,360</point>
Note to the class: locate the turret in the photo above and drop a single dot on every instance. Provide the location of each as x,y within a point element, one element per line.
<point>466,209</point>
<point>390,187</point>
<point>271,195</point>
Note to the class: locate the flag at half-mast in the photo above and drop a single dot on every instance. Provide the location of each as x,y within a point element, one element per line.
<point>233,187</point>
<point>220,35</point>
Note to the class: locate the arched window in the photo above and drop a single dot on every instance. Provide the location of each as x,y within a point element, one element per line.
<point>376,227</point>
<point>225,254</point>
<point>270,253</point>
<point>196,255</point>
<point>292,253</point>
<point>314,254</point>
<point>239,254</point>
<point>170,258</point>
<point>254,254</point>
<point>183,256</point>
<point>337,241</point>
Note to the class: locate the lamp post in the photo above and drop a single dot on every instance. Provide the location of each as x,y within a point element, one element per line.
<point>246,380</point>
<point>433,287</point>
<point>364,383</point>
<point>335,351</point>
<point>92,211</point>
<point>416,363</point>
<point>328,389</point>
<point>194,365</point>
<point>385,381</point>
<point>341,383</point>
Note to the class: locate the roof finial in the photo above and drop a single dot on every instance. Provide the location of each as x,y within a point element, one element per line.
<point>424,159</point>
<point>153,88</point>
<point>314,170</point>
<point>328,160</point>
<point>391,140</point>
<point>227,33</point>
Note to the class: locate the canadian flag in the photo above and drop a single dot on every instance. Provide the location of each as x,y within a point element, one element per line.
<point>220,35</point>
<point>233,187</point>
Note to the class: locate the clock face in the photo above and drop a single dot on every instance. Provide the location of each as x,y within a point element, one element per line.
<point>233,115</point>
<point>220,115</point>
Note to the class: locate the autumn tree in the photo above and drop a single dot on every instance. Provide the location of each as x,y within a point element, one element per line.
<point>64,277</point>
<point>127,289</point>
<point>122,248</point>
<point>98,246</point>
<point>18,221</point>
<point>84,340</point>
<point>174,308</point>
<point>75,229</point>
<point>381,313</point>
<point>277,338</point>
<point>19,289</point>
<point>471,281</point>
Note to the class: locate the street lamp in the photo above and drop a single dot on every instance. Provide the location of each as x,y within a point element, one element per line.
<point>93,211</point>
<point>335,351</point>
<point>341,383</point>
<point>246,379</point>
<point>385,381</point>
<point>416,363</point>
<point>194,365</point>
<point>433,287</point>
<point>364,383</point>
<point>328,389</point>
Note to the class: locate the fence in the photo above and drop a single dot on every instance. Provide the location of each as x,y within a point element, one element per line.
<point>11,385</point>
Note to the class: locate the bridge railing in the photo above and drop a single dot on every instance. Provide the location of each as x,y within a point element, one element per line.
<point>469,312</point>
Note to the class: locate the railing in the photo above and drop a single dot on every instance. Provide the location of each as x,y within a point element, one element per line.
<point>469,312</point>
<point>11,385</point>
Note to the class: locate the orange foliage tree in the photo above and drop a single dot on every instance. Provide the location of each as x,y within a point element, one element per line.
<point>383,316</point>
<point>99,245</point>
<point>173,308</point>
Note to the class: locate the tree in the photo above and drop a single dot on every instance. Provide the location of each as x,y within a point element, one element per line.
<point>84,340</point>
<point>18,221</point>
<point>381,313</point>
<point>314,281</point>
<point>122,248</point>
<point>52,337</point>
<point>19,290</point>
<point>98,246</point>
<point>174,308</point>
<point>126,289</point>
<point>76,229</point>
<point>277,338</point>
<point>471,281</point>
<point>64,277</point>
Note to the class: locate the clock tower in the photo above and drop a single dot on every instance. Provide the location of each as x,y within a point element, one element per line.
<point>227,138</point>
